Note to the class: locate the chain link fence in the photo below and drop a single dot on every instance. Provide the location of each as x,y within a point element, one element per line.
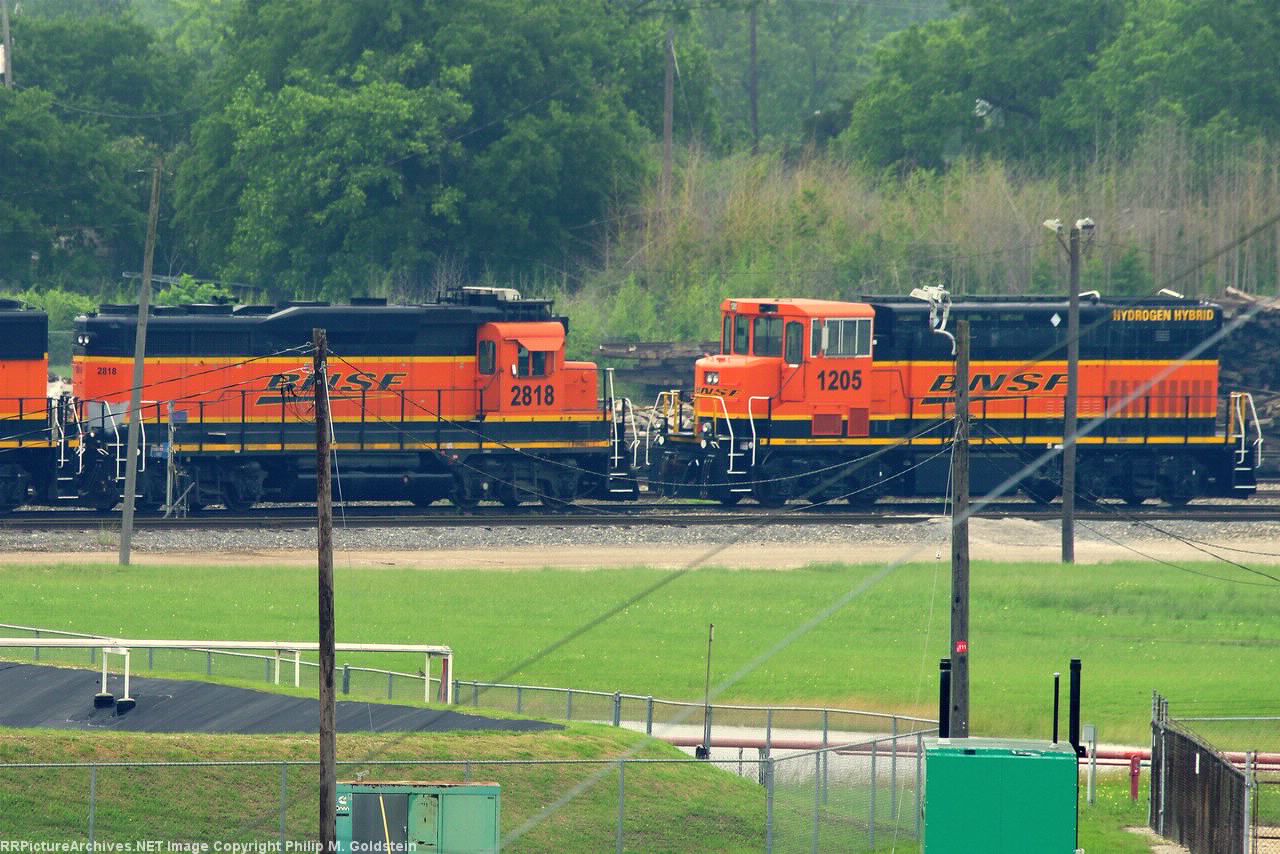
<point>854,798</point>
<point>1209,799</point>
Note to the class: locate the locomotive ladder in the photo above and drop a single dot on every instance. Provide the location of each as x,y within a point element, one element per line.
<point>1248,453</point>
<point>620,481</point>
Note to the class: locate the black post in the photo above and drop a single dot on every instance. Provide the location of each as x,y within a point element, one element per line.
<point>944,698</point>
<point>960,542</point>
<point>1056,677</point>
<point>704,752</point>
<point>1073,708</point>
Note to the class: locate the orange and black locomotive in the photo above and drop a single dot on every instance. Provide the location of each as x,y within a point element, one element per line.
<point>469,398</point>
<point>822,400</point>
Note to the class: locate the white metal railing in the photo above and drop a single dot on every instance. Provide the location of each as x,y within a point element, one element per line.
<point>236,649</point>
<point>751,418</point>
<point>1243,413</point>
<point>667,403</point>
<point>733,450</point>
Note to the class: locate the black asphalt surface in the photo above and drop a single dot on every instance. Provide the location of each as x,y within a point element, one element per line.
<point>62,698</point>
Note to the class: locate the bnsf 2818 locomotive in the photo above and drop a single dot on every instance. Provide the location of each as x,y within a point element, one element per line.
<point>470,398</point>
<point>822,400</point>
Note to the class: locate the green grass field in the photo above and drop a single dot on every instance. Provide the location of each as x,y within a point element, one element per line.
<point>1205,643</point>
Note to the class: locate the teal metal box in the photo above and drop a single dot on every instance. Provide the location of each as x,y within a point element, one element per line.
<point>449,818</point>
<point>987,796</point>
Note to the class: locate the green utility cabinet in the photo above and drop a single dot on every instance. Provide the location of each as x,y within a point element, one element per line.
<point>448,818</point>
<point>991,796</point>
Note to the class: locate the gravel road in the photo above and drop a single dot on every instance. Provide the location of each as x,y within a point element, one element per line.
<point>773,546</point>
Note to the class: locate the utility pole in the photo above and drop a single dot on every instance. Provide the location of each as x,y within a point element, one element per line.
<point>668,112</point>
<point>6,44</point>
<point>753,86</point>
<point>960,543</point>
<point>1072,402</point>
<point>324,518</point>
<point>139,359</point>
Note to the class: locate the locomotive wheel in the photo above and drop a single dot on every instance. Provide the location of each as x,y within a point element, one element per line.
<point>767,494</point>
<point>1041,490</point>
<point>1134,500</point>
<point>422,501</point>
<point>730,499</point>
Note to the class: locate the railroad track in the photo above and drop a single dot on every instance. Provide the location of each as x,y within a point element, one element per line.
<point>667,514</point>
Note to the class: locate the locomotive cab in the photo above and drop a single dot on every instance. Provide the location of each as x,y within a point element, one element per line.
<point>806,363</point>
<point>791,375</point>
<point>521,370</point>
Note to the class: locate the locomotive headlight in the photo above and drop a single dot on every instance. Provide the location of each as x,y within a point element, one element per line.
<point>706,428</point>
<point>713,377</point>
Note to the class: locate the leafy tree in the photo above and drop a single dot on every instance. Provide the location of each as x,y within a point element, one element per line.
<point>351,142</point>
<point>1196,62</point>
<point>187,290</point>
<point>66,195</point>
<point>990,81</point>
<point>807,59</point>
<point>105,68</point>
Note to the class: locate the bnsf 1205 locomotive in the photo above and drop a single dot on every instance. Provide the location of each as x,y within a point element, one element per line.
<point>820,400</point>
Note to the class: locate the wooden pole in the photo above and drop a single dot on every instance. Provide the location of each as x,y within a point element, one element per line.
<point>668,113</point>
<point>139,359</point>
<point>753,85</point>
<point>1071,404</point>
<point>324,518</point>
<point>960,543</point>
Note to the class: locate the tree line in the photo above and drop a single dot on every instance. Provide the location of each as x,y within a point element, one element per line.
<point>398,147</point>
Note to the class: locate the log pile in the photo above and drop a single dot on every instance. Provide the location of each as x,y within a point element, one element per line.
<point>1250,357</point>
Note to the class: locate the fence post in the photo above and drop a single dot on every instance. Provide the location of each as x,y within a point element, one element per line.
<point>37,648</point>
<point>826,758</point>
<point>1250,784</point>
<point>455,692</point>
<point>346,678</point>
<point>266,669</point>
<point>648,717</point>
<point>284,801</point>
<point>871,824</point>
<point>919,783</point>
<point>768,805</point>
<point>568,705</point>
<point>893,771</point>
<point>208,663</point>
<point>93,800</point>
<point>466,771</point>
<point>151,658</point>
<point>768,733</point>
<point>817,798</point>
<point>519,699</point>
<point>475,694</point>
<point>390,685</point>
<point>617,708</point>
<point>622,799</point>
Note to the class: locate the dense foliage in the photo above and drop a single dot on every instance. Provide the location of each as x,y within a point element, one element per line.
<point>327,150</point>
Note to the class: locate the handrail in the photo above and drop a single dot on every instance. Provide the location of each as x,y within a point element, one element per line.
<point>752,419</point>
<point>733,452</point>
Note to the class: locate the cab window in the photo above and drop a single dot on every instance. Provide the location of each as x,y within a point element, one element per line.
<point>815,338</point>
<point>849,338</point>
<point>741,333</point>
<point>531,364</point>
<point>768,336</point>
<point>726,336</point>
<point>487,357</point>
<point>794,347</point>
